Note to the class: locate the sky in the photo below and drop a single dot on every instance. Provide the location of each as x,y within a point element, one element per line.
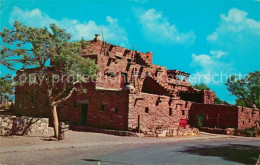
<point>209,39</point>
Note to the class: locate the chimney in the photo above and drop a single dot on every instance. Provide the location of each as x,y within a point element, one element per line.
<point>97,37</point>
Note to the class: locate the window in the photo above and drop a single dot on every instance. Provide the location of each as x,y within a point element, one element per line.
<point>243,122</point>
<point>146,110</point>
<point>116,110</point>
<point>182,112</point>
<point>249,121</point>
<point>75,105</point>
<point>102,108</point>
<point>170,111</point>
<point>47,103</point>
<point>32,99</point>
<point>123,80</point>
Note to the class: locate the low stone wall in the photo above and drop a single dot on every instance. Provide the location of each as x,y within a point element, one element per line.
<point>227,131</point>
<point>155,133</point>
<point>12,125</point>
<point>172,132</point>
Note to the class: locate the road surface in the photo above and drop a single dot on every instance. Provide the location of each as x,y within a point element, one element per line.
<point>208,151</point>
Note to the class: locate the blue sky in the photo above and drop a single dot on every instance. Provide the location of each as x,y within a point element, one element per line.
<point>196,36</point>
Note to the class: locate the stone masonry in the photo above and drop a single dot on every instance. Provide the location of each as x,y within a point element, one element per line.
<point>12,125</point>
<point>132,94</point>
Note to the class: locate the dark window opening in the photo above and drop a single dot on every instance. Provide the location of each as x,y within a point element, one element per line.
<point>123,79</point>
<point>170,111</point>
<point>75,105</point>
<point>117,57</point>
<point>182,112</point>
<point>243,122</point>
<point>116,110</point>
<point>102,108</point>
<point>249,121</point>
<point>47,103</point>
<point>146,110</point>
<point>32,100</point>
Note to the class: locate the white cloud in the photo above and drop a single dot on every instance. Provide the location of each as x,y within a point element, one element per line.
<point>157,28</point>
<point>239,37</point>
<point>235,22</point>
<point>112,31</point>
<point>217,53</point>
<point>210,66</point>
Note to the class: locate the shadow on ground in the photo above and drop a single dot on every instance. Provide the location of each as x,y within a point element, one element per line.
<point>233,152</point>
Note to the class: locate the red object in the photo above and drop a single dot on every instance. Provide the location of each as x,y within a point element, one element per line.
<point>183,122</point>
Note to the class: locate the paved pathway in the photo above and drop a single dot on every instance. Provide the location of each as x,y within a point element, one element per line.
<point>87,139</point>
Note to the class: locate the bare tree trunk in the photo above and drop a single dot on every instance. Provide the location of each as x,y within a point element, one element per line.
<point>55,121</point>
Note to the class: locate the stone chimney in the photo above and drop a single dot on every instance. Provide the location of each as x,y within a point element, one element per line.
<point>97,37</point>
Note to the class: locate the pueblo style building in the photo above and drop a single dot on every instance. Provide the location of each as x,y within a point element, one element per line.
<point>131,93</point>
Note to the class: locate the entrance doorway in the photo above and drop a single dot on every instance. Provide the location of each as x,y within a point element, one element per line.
<point>84,114</point>
<point>200,120</point>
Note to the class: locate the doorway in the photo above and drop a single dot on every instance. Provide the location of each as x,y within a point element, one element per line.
<point>84,114</point>
<point>200,120</point>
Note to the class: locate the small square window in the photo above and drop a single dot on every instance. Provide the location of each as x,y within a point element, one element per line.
<point>75,105</point>
<point>102,108</point>
<point>146,110</point>
<point>116,110</point>
<point>182,112</point>
<point>170,111</point>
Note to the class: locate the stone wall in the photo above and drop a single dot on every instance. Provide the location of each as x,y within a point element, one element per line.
<point>12,125</point>
<point>247,118</point>
<point>107,108</point>
<point>151,112</point>
<point>179,131</point>
<point>198,96</point>
<point>223,116</point>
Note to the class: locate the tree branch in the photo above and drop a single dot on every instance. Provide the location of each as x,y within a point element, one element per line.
<point>65,98</point>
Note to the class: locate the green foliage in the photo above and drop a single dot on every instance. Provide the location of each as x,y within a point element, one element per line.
<point>35,46</point>
<point>201,86</point>
<point>73,63</point>
<point>6,87</point>
<point>246,89</point>
<point>250,132</point>
<point>30,47</point>
<point>240,102</point>
<point>218,101</point>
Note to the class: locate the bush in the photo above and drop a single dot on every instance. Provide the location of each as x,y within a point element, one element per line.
<point>250,132</point>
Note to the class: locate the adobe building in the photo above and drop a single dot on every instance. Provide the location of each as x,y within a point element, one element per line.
<point>131,93</point>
